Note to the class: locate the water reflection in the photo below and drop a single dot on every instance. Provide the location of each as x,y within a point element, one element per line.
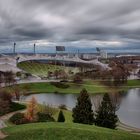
<point>127,104</point>
<point>129,111</point>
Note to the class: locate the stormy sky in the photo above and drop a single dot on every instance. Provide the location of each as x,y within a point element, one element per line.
<point>73,23</point>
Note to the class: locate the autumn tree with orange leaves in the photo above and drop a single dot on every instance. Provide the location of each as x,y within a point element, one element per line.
<point>32,110</point>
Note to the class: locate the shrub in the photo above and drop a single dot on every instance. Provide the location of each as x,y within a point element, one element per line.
<point>60,85</point>
<point>18,118</point>
<point>64,81</point>
<point>43,117</point>
<point>16,106</point>
<point>61,117</point>
<point>18,74</point>
<point>64,107</point>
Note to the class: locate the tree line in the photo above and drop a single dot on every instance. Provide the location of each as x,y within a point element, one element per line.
<point>7,78</point>
<point>104,116</point>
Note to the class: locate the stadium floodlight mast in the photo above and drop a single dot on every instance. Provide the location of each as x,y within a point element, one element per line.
<point>34,48</point>
<point>14,48</point>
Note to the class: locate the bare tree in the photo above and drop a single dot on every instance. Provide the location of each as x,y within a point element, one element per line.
<point>115,100</point>
<point>9,78</point>
<point>1,78</point>
<point>96,101</point>
<point>16,92</point>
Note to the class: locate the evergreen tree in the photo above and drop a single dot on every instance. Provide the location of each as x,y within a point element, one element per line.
<point>83,113</point>
<point>61,117</point>
<point>106,116</point>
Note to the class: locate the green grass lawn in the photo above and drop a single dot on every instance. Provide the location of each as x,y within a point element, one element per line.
<point>130,84</point>
<point>133,83</point>
<point>41,69</point>
<point>91,87</point>
<point>65,131</point>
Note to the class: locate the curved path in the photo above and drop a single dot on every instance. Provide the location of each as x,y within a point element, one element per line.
<point>128,128</point>
<point>3,119</point>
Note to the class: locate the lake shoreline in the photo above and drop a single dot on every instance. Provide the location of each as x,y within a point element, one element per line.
<point>92,86</point>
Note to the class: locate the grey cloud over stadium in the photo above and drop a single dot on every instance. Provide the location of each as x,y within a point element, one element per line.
<point>83,23</point>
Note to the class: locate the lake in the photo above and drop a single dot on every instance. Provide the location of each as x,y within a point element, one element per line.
<point>128,102</point>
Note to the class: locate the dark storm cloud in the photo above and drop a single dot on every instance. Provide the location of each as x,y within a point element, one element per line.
<point>70,20</point>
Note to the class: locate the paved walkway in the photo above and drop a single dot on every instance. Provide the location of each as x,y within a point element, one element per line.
<point>128,128</point>
<point>2,135</point>
<point>3,119</point>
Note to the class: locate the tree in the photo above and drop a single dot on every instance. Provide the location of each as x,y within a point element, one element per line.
<point>83,113</point>
<point>1,78</point>
<point>56,74</point>
<point>77,78</point>
<point>115,100</point>
<point>138,73</point>
<point>25,89</point>
<point>61,117</point>
<point>16,93</point>
<point>4,107</point>
<point>106,116</point>
<point>120,74</point>
<point>9,77</point>
<point>5,96</point>
<point>5,102</point>
<point>32,110</point>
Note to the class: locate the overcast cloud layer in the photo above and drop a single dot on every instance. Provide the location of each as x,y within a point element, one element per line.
<point>80,23</point>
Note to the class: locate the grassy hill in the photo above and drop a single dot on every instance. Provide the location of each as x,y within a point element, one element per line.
<point>65,131</point>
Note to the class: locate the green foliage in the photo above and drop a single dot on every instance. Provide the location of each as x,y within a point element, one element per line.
<point>43,117</point>
<point>60,85</point>
<point>18,74</point>
<point>16,106</point>
<point>106,116</point>
<point>62,106</point>
<point>83,112</point>
<point>61,117</point>
<point>18,118</point>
